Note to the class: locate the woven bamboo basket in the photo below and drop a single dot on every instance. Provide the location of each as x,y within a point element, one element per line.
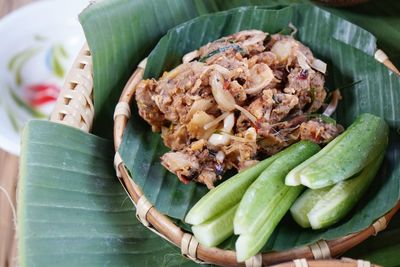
<point>74,107</point>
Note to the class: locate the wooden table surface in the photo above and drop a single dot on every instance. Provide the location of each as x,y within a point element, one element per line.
<point>8,179</point>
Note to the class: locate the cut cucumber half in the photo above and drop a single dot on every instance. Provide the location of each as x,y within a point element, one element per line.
<point>249,244</point>
<point>212,232</point>
<point>335,204</point>
<point>358,146</point>
<point>263,196</point>
<point>227,194</point>
<point>293,177</point>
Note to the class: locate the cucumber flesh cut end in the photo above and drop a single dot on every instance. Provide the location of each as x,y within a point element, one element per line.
<point>292,179</point>
<point>245,247</point>
<point>193,219</point>
<point>315,184</point>
<point>300,218</point>
<point>202,236</point>
<point>314,221</point>
<point>305,203</point>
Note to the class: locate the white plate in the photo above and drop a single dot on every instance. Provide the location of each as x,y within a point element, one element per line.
<point>38,46</point>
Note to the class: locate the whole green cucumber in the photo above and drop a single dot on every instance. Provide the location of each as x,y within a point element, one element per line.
<point>356,148</point>
<point>227,194</point>
<point>335,204</point>
<point>305,203</point>
<point>264,194</point>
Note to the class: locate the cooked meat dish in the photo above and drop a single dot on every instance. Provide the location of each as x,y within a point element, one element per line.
<point>235,101</point>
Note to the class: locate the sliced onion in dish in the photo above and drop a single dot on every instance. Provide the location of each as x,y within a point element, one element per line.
<point>220,156</point>
<point>302,60</point>
<point>173,73</point>
<point>199,105</point>
<point>219,139</point>
<point>256,36</point>
<point>319,65</point>
<point>224,99</point>
<point>336,96</point>
<point>237,138</point>
<point>176,161</point>
<point>294,28</point>
<point>224,71</point>
<point>261,75</point>
<point>251,134</point>
<point>190,56</point>
<point>283,49</point>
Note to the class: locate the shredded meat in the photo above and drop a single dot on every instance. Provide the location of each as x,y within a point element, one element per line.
<point>234,100</point>
<point>319,132</point>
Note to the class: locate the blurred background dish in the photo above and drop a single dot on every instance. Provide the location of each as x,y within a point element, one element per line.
<point>42,41</point>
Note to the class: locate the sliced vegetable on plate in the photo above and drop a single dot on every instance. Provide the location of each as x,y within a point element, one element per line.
<point>342,197</point>
<point>226,195</point>
<point>345,156</point>
<point>266,193</point>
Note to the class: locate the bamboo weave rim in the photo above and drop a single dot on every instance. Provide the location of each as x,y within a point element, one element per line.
<point>75,108</point>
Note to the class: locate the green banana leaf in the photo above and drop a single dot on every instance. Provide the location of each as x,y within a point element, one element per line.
<point>72,211</point>
<point>133,27</point>
<point>346,48</point>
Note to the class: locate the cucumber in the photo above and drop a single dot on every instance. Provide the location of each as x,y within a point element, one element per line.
<point>340,160</point>
<point>262,197</point>
<point>212,232</point>
<point>305,203</point>
<point>293,177</point>
<point>249,244</point>
<point>227,194</point>
<point>342,197</point>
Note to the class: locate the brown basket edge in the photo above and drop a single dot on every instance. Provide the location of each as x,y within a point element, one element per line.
<point>202,254</point>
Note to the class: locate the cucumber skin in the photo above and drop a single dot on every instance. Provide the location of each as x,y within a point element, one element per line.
<point>250,244</point>
<point>347,192</point>
<point>365,138</point>
<point>212,232</point>
<point>260,199</point>
<point>227,194</point>
<point>305,203</point>
<point>293,177</point>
